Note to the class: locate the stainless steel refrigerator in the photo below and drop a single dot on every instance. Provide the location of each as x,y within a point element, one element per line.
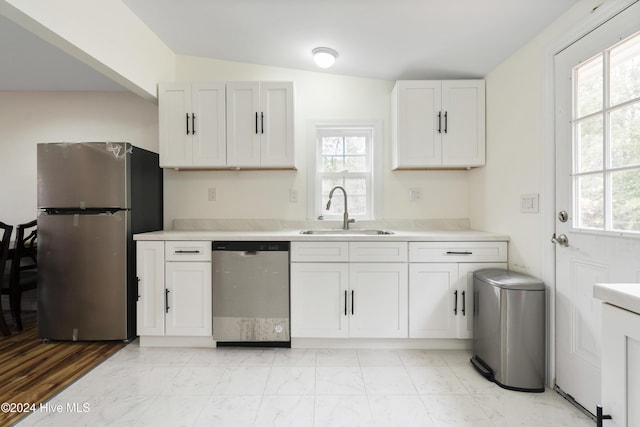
<point>92,198</point>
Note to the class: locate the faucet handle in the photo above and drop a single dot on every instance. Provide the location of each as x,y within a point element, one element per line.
<point>351,220</point>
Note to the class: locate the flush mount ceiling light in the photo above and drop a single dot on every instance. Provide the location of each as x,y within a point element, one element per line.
<point>324,56</point>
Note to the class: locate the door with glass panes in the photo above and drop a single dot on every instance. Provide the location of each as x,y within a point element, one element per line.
<point>597,233</point>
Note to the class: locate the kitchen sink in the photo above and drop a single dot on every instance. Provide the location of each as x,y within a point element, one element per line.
<point>341,232</point>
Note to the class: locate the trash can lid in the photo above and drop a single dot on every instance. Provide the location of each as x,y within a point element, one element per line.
<point>506,279</point>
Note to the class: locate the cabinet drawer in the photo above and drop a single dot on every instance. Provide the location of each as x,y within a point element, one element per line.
<point>188,251</point>
<point>378,252</point>
<point>319,251</point>
<point>458,252</point>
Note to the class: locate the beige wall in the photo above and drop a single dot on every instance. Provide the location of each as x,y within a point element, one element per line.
<point>265,194</point>
<point>27,118</point>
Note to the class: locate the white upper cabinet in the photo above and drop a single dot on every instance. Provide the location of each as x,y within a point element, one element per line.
<point>260,129</point>
<point>192,125</point>
<point>226,125</point>
<point>438,124</point>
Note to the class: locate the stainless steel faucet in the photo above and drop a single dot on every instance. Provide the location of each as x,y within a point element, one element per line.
<point>346,220</point>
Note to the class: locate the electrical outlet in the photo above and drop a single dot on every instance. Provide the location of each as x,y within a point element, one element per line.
<point>212,194</point>
<point>293,195</point>
<point>414,194</point>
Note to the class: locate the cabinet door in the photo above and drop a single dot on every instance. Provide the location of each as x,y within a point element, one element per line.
<point>209,136</point>
<point>620,366</point>
<point>463,137</point>
<point>465,295</point>
<point>319,293</point>
<point>174,103</point>
<point>432,303</point>
<point>188,311</point>
<point>150,274</point>
<point>276,124</point>
<point>417,127</point>
<point>379,299</point>
<point>244,124</point>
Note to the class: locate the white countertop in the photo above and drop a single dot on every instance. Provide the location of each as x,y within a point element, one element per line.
<point>294,235</point>
<point>623,295</point>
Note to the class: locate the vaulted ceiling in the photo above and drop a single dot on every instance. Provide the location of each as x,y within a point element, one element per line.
<point>382,39</point>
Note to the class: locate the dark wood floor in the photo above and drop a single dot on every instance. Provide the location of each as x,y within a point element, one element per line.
<point>32,372</point>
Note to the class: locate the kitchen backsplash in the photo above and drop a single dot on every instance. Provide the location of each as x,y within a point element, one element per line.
<point>274,225</point>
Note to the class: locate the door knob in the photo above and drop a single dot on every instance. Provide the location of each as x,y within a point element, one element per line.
<point>561,240</point>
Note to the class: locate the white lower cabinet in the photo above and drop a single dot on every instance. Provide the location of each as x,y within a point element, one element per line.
<point>319,300</point>
<point>174,297</point>
<point>150,274</point>
<point>441,299</point>
<point>620,366</point>
<point>379,300</point>
<point>188,299</point>
<point>347,299</point>
<point>441,285</point>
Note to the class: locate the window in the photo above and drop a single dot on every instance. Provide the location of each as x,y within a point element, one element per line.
<point>344,156</point>
<point>606,139</point>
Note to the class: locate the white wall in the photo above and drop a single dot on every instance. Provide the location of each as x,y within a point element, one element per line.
<point>105,35</point>
<point>517,137</point>
<point>27,118</point>
<point>265,194</point>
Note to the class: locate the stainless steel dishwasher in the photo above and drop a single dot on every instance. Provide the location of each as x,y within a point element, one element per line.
<point>251,293</point>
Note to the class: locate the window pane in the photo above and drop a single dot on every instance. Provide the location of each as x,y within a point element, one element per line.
<point>626,200</point>
<point>589,96</point>
<point>357,205</point>
<point>327,185</point>
<point>625,136</point>
<point>356,187</point>
<point>625,71</point>
<point>589,140</point>
<point>332,164</point>
<point>356,145</point>
<point>332,145</point>
<point>589,195</point>
<point>356,164</point>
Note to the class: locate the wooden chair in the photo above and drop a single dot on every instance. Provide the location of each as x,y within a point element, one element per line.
<point>24,268</point>
<point>4,254</point>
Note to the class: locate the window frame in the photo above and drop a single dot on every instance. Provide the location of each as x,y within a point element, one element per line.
<point>606,170</point>
<point>315,204</point>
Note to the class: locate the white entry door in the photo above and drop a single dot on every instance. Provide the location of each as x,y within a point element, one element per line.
<point>597,191</point>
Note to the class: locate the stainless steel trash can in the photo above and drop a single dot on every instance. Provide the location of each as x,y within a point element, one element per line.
<point>509,329</point>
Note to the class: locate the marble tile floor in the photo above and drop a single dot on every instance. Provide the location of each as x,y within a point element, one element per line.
<point>296,387</point>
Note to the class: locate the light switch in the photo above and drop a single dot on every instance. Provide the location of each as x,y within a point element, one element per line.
<point>529,203</point>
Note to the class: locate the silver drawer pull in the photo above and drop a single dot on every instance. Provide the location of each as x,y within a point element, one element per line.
<point>187,252</point>
<point>459,253</point>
